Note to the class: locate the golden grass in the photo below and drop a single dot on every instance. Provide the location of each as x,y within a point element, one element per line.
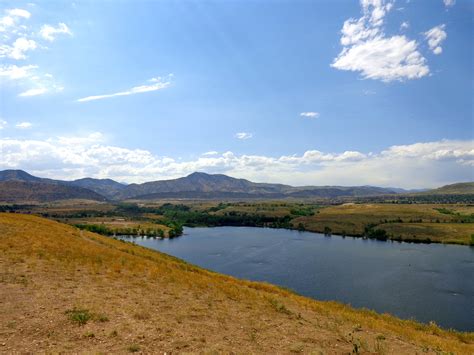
<point>452,233</point>
<point>351,219</point>
<point>119,225</point>
<point>157,302</point>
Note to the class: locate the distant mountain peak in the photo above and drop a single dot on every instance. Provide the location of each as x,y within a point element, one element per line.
<point>204,185</point>
<point>198,174</point>
<point>17,175</point>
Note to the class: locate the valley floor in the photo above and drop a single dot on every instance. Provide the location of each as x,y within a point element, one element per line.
<point>66,290</point>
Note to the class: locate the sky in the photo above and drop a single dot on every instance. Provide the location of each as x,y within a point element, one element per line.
<point>301,92</point>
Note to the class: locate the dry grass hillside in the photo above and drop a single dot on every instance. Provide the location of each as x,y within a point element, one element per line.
<point>63,290</point>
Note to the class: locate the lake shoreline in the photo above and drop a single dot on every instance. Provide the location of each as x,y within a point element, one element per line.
<point>359,236</point>
<point>371,270</point>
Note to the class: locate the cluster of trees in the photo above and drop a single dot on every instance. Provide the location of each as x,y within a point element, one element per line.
<point>371,231</point>
<point>302,211</point>
<point>79,214</point>
<point>149,232</point>
<point>178,215</point>
<point>195,219</point>
<point>14,208</point>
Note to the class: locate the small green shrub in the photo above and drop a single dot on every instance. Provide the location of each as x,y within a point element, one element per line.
<point>133,348</point>
<point>101,318</point>
<point>113,334</point>
<point>279,307</point>
<point>80,316</point>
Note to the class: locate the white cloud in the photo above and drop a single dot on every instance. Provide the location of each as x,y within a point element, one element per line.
<point>411,166</point>
<point>435,37</point>
<point>28,77</point>
<point>449,3</point>
<point>18,39</point>
<point>23,125</point>
<point>49,32</point>
<point>18,49</point>
<point>405,25</point>
<point>13,72</point>
<point>366,48</point>
<point>92,138</point>
<point>18,13</point>
<point>212,152</point>
<point>310,114</point>
<point>33,92</point>
<point>3,124</point>
<point>158,84</point>
<point>386,59</point>
<point>243,135</point>
<point>9,22</point>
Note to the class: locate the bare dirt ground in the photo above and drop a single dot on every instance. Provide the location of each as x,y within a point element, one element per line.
<point>137,300</point>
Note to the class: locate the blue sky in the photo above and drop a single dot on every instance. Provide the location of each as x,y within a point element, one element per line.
<point>301,92</point>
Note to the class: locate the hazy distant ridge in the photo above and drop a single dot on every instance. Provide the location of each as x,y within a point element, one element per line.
<point>195,186</point>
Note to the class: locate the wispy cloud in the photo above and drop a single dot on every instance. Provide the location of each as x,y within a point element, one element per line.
<point>13,72</point>
<point>368,50</point>
<point>49,32</point>
<point>212,152</point>
<point>9,22</point>
<point>19,39</point>
<point>28,75</point>
<point>3,124</point>
<point>449,3</point>
<point>33,92</point>
<point>155,84</point>
<point>310,114</point>
<point>243,135</point>
<point>435,37</point>
<point>24,125</point>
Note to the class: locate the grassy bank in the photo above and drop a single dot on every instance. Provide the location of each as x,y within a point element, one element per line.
<point>451,224</point>
<point>433,223</point>
<point>66,290</point>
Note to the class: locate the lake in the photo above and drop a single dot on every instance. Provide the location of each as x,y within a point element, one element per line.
<point>426,282</point>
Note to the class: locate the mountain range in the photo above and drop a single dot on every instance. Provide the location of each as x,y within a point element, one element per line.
<point>18,185</point>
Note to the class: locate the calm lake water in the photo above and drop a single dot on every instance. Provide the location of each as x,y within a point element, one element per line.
<point>427,282</point>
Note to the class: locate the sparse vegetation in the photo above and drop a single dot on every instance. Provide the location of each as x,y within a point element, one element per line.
<point>79,316</point>
<point>199,307</point>
<point>133,348</point>
<point>434,223</point>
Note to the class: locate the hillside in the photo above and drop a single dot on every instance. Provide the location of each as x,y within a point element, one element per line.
<point>21,192</point>
<point>202,185</point>
<point>461,188</point>
<point>18,175</point>
<point>105,187</point>
<point>63,290</point>
<point>199,184</point>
